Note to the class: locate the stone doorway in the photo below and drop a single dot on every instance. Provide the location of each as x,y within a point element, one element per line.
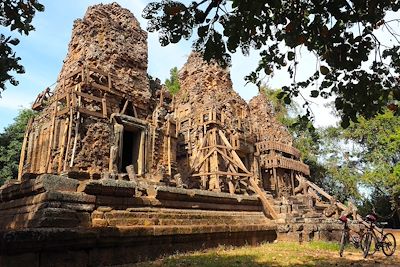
<point>132,149</point>
<point>129,145</point>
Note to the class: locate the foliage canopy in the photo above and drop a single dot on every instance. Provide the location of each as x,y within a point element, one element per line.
<point>360,163</point>
<point>17,15</point>
<point>378,156</point>
<point>172,83</point>
<point>10,145</point>
<point>340,33</point>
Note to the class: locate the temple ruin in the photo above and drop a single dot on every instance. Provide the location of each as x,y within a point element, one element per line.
<point>113,165</point>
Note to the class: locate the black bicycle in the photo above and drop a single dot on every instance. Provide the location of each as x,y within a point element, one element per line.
<point>348,236</point>
<point>375,238</point>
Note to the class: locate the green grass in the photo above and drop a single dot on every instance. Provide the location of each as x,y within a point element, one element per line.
<point>272,254</point>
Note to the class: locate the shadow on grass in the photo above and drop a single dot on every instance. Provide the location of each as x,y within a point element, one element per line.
<point>253,261</point>
<point>272,255</point>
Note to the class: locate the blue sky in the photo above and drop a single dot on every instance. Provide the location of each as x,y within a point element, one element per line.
<point>43,51</point>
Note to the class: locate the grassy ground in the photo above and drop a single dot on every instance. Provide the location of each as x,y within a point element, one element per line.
<point>276,254</point>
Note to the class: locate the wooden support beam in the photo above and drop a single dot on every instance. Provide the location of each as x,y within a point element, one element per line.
<point>62,147</point>
<point>267,205</point>
<point>30,149</point>
<point>42,149</point>
<point>231,187</point>
<point>62,112</point>
<point>124,107</point>
<point>72,74</point>
<point>153,143</point>
<point>161,98</point>
<point>338,204</point>
<point>91,97</point>
<point>104,105</point>
<point>101,87</point>
<point>234,154</point>
<point>23,149</point>
<point>217,146</point>
<point>277,184</point>
<point>202,144</point>
<point>142,155</point>
<point>49,149</point>
<point>214,164</point>
<point>231,160</point>
<point>292,180</point>
<point>99,71</point>
<point>109,82</point>
<point>169,156</point>
<point>90,113</point>
<point>222,173</point>
<point>77,124</point>
<point>35,149</point>
<point>202,160</point>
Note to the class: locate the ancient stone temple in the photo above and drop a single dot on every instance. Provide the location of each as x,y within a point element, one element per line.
<point>115,170</point>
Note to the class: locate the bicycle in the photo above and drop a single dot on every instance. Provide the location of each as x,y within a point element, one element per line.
<point>347,237</point>
<point>385,241</point>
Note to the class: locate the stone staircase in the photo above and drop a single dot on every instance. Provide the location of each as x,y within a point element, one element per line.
<point>298,221</point>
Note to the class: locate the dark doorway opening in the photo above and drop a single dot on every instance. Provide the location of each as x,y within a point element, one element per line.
<point>131,149</point>
<point>268,180</point>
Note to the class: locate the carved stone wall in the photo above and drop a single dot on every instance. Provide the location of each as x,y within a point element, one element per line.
<point>109,38</point>
<point>104,73</point>
<point>205,137</point>
<point>266,126</point>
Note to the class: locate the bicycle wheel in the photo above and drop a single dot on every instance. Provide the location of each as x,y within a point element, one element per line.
<point>373,244</point>
<point>366,243</point>
<point>342,243</point>
<point>388,244</point>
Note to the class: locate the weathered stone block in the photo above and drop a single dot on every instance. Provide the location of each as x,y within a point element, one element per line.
<point>19,260</point>
<point>284,228</point>
<point>64,259</point>
<point>108,187</point>
<point>99,222</point>
<point>57,183</point>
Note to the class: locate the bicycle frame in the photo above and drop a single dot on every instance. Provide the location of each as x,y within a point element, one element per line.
<point>348,237</point>
<point>352,236</point>
<point>386,242</point>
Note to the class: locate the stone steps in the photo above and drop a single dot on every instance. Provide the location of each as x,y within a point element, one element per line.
<point>298,212</point>
<point>179,222</point>
<point>166,217</point>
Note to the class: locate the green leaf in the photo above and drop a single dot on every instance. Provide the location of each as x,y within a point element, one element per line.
<point>280,95</point>
<point>14,41</point>
<point>287,100</point>
<point>291,55</point>
<point>324,70</point>
<point>314,93</point>
<point>345,123</point>
<point>202,31</point>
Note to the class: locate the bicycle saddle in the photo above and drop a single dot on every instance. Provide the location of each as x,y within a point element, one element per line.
<point>371,218</point>
<point>343,219</point>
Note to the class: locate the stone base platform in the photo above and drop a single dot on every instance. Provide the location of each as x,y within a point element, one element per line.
<point>112,246</point>
<point>58,221</point>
